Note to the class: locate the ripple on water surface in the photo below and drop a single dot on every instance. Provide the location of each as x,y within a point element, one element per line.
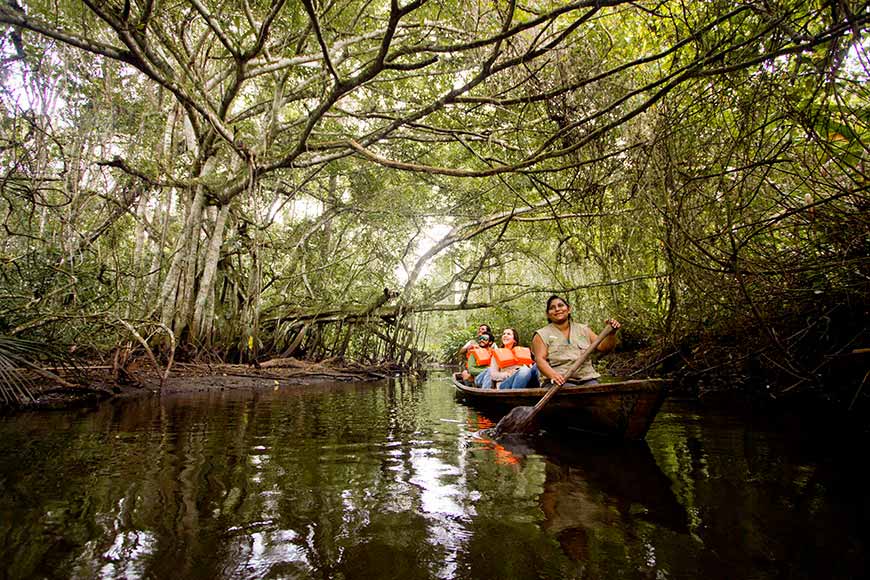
<point>399,479</point>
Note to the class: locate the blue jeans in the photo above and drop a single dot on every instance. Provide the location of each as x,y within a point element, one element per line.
<point>482,381</point>
<point>525,378</point>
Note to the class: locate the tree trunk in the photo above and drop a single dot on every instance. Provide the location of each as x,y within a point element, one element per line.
<point>138,255</point>
<point>202,323</point>
<point>172,295</point>
<point>157,245</point>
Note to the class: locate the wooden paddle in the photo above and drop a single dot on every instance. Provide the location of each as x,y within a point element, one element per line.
<point>522,419</point>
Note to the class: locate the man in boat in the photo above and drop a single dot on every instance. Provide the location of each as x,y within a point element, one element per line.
<point>477,360</point>
<point>562,341</point>
<point>473,342</point>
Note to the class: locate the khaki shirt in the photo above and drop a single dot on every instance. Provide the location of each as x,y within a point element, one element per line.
<point>562,352</point>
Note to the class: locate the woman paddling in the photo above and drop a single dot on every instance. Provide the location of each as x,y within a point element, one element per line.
<point>562,341</point>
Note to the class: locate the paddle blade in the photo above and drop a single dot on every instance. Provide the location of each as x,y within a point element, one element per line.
<point>519,420</point>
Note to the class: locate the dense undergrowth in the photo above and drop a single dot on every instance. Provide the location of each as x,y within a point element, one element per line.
<point>814,361</point>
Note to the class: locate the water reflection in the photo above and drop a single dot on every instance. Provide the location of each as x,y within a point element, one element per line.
<point>397,480</point>
<point>596,492</point>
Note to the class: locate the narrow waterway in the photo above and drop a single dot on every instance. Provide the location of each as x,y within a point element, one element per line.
<point>394,480</point>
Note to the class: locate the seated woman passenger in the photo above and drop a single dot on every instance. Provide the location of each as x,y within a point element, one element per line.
<point>560,343</point>
<point>477,360</point>
<point>512,366</point>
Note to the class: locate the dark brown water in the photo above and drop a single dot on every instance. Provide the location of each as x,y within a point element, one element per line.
<point>392,480</point>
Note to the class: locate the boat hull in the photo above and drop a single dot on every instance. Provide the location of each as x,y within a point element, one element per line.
<point>623,410</point>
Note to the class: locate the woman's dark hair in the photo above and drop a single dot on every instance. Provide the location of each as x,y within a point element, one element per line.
<point>516,335</point>
<point>550,301</point>
<point>556,297</point>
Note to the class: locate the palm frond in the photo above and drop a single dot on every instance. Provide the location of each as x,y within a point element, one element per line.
<point>17,354</point>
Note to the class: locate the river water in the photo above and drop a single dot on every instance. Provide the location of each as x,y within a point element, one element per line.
<point>396,480</point>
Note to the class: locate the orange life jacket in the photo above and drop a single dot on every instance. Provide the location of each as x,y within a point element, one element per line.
<point>508,357</point>
<point>524,355</point>
<point>481,355</point>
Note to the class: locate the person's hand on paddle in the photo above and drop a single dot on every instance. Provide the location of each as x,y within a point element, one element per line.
<point>610,343</point>
<point>558,378</point>
<point>522,419</point>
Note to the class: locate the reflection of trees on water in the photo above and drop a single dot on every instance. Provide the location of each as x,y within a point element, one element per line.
<point>331,485</point>
<point>600,496</point>
<point>768,496</point>
<point>392,482</point>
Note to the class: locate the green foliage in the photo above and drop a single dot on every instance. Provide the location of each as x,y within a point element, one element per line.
<point>452,340</point>
<point>17,355</point>
<point>679,168</point>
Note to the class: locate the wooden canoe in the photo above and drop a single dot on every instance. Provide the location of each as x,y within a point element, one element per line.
<point>624,409</point>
